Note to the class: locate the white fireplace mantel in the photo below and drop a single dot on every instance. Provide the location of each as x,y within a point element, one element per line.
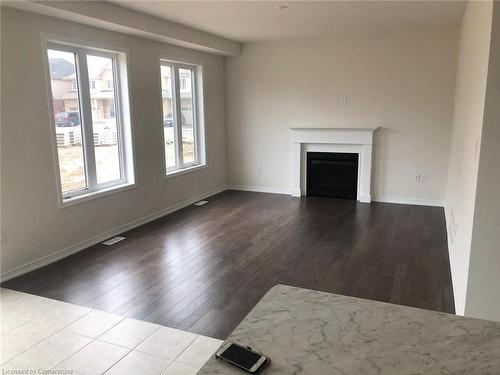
<point>350,140</point>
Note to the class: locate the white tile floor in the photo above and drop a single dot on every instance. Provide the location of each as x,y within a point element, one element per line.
<point>38,334</point>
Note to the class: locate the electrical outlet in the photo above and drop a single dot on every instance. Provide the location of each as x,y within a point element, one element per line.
<point>417,178</point>
<point>344,99</point>
<point>423,179</point>
<point>259,170</point>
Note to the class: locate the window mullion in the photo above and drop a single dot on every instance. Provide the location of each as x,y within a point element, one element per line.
<point>86,110</point>
<point>178,118</point>
<point>119,118</point>
<point>194,91</point>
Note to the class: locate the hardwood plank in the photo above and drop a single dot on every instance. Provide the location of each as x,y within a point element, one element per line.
<point>203,268</point>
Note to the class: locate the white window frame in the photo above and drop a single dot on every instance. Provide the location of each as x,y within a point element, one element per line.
<point>122,113</point>
<point>198,116</point>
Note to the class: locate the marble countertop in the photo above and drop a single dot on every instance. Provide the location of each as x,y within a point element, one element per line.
<point>310,332</point>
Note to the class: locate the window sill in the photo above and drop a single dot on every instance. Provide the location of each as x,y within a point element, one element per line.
<point>182,171</point>
<point>94,195</point>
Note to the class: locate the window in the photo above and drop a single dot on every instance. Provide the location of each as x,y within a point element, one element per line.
<point>182,124</point>
<point>92,127</point>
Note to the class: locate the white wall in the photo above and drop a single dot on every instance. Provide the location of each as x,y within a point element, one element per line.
<point>33,226</point>
<point>466,137</point>
<point>483,296</point>
<point>403,82</point>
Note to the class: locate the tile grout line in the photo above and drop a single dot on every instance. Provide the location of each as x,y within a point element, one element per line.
<point>19,302</point>
<point>45,338</point>
<point>133,350</point>
<point>123,346</point>
<point>130,350</point>
<point>181,352</point>
<point>65,328</point>
<point>189,347</point>
<point>20,325</point>
<point>110,367</point>
<point>106,342</point>
<point>192,342</point>
<point>93,339</point>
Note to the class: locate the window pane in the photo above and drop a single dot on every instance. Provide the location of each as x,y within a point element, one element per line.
<point>102,101</point>
<point>187,116</point>
<point>66,104</point>
<point>168,117</point>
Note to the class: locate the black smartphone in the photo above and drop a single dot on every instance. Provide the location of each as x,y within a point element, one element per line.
<point>244,358</point>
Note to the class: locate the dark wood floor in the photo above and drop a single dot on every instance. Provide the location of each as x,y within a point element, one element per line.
<point>202,269</point>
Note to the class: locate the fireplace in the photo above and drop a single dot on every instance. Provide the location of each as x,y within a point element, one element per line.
<point>357,141</point>
<point>332,174</point>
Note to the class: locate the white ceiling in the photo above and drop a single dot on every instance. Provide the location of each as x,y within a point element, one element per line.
<point>249,21</point>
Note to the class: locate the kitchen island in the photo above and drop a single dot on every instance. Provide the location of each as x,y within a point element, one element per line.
<point>309,332</point>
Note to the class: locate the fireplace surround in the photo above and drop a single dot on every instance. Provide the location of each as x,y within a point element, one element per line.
<point>337,140</point>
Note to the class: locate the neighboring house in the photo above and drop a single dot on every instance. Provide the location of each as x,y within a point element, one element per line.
<point>186,96</point>
<point>65,99</point>
<point>64,88</point>
<point>60,68</point>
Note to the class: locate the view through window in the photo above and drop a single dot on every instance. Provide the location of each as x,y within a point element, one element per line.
<point>67,116</point>
<point>187,118</point>
<point>179,115</point>
<point>168,116</point>
<point>105,130</point>
<point>88,130</point>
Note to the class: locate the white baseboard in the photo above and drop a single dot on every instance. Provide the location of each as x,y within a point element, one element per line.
<point>459,303</point>
<point>58,255</point>
<point>259,189</point>
<point>413,201</point>
<point>367,198</point>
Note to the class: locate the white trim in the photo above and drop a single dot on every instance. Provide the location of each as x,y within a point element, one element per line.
<point>85,43</point>
<point>338,139</point>
<point>260,189</point>
<point>177,119</point>
<point>451,238</point>
<point>180,172</point>
<point>412,201</point>
<point>96,194</point>
<point>54,257</point>
<point>381,199</point>
<point>124,125</point>
<point>198,117</point>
